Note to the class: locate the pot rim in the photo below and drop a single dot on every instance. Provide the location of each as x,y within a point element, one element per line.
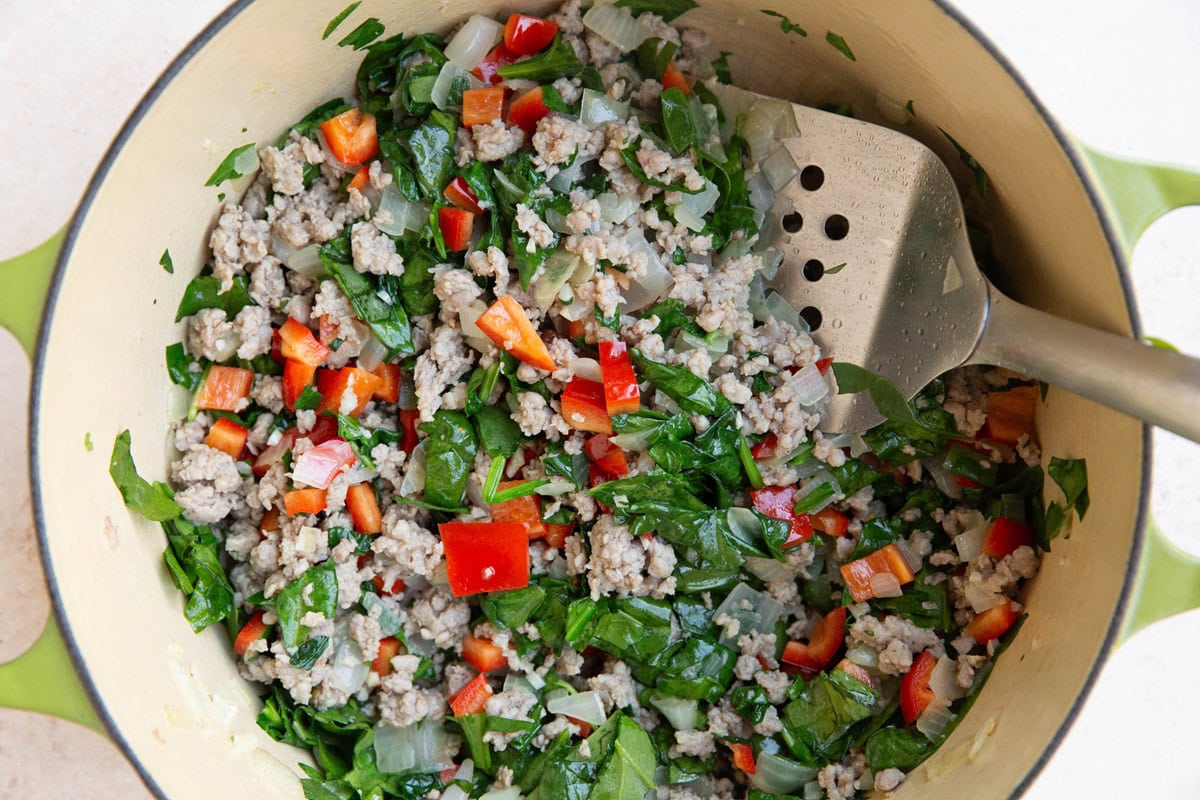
<point>202,39</point>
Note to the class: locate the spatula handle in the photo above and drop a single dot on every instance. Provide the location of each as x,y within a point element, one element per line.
<point>1149,383</point>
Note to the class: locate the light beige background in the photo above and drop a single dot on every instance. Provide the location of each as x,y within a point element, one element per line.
<point>1124,81</point>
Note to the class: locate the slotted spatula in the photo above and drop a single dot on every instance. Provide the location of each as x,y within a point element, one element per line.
<point>876,259</point>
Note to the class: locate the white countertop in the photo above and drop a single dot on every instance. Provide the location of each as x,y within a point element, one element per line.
<point>1124,80</point>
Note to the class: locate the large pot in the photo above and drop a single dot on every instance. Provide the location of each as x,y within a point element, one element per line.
<point>175,702</point>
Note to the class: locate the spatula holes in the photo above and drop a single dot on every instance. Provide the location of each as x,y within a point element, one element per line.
<point>813,269</point>
<point>812,177</point>
<point>836,227</point>
<point>792,222</point>
<point>811,315</point>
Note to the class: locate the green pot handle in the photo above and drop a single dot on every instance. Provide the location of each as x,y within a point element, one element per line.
<point>1137,193</point>
<point>43,679</point>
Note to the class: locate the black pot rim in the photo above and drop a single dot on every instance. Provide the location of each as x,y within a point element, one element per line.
<point>224,18</point>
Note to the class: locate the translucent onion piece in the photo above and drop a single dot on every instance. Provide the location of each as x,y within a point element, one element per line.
<point>587,368</point>
<point>584,706</point>
<point>556,219</point>
<point>373,352</point>
<point>708,133</point>
<point>839,440</point>
<point>509,793</point>
<point>400,215</point>
<point>632,441</point>
<point>943,680</point>
<point>762,196</point>
<point>767,569</point>
<point>822,477</point>
<point>597,108</point>
<point>864,657</point>
<point>556,271</point>
<point>414,473</point>
<point>859,609</point>
<point>473,41</point>
<point>348,671</point>
<point>688,218</point>
<point>556,487</point>
<point>858,445</point>
<point>717,345</point>
<point>467,317</point>
<point>969,543</point>
<point>779,308</point>
<point>420,747</point>
<point>657,281</point>
<point>281,249</point>
<point>567,179</point>
<point>779,168</point>
<point>944,479</point>
<point>753,610</point>
<point>389,623</point>
<point>891,109</point>
<point>679,711</point>
<point>307,262</point>
<point>813,791</point>
<point>616,208</point>
<point>885,584</point>
<point>914,560</point>
<point>440,94</point>
<point>809,385</point>
<point>616,25</point>
<point>702,201</point>
<point>980,597</point>
<point>933,720</point>
<point>771,261</point>
<point>734,102</point>
<point>777,775</point>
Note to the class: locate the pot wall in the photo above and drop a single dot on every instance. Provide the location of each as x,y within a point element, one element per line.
<point>176,699</point>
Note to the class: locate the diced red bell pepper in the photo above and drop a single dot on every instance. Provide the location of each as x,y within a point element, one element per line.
<point>324,429</point>
<point>276,348</point>
<point>397,586</point>
<point>857,574</point>
<point>621,393</point>
<point>1010,415</point>
<point>779,502</point>
<point>389,648</point>
<point>673,78</point>
<point>830,522</point>
<point>304,501</point>
<point>481,106</point>
<point>584,407</point>
<point>297,342</point>
<point>526,110</point>
<point>364,508</point>
<point>296,376</point>
<point>966,482</point>
<point>482,654</point>
<point>388,390</point>
<point>273,454</point>
<point>576,329</point>
<point>250,633</point>
<point>506,324</point>
<point>915,693</point>
<point>456,226</point>
<point>459,193</point>
<point>1005,535</point>
<point>270,520</point>
<point>556,533</point>
<point>993,623</point>
<point>325,379</point>
<point>228,437</point>
<point>408,422</point>
<point>224,388</point>
<point>743,757</point>
<point>359,181</point>
<point>359,382</point>
<point>526,35</point>
<point>606,455</point>
<point>823,365</point>
<point>525,511</point>
<point>472,698</point>
<point>485,556</point>
<point>351,137</point>
<point>500,56</point>
<point>823,643</point>
<point>319,465</point>
<point>765,448</point>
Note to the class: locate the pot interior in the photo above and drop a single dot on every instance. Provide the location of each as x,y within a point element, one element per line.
<point>175,699</point>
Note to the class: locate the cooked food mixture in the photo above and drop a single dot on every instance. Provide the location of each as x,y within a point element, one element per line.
<point>505,475</point>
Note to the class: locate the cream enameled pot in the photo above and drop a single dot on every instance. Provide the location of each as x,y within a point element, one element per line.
<point>174,700</point>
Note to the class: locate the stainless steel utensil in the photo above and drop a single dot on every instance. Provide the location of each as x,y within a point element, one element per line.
<point>876,259</point>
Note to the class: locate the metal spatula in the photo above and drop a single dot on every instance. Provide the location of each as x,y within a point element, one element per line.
<point>876,259</point>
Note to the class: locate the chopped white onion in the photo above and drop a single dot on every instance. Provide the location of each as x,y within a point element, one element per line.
<point>307,262</point>
<point>389,623</point>
<point>556,487</point>
<point>348,671</point>
<point>398,215</point>
<point>779,308</point>
<point>474,39</point>
<point>584,706</point>
<point>969,543</point>
<point>556,271</point>
<point>858,445</point>
<point>734,102</point>
<point>945,480</point>
<point>597,108</point>
<point>702,201</point>
<point>688,218</point>
<point>414,473</point>
<point>885,584</point>
<point>859,609</point>
<point>420,747</point>
<point>768,569</point>
<point>373,352</point>
<point>588,368</point>
<point>616,208</point>
<point>556,219</point>
<point>753,610</point>
<point>508,793</point>
<point>863,656</point>
<point>780,168</point>
<point>467,317</point>
<point>717,343</point>
<point>771,261</point>
<point>812,484</point>
<point>980,597</point>
<point>708,133</point>
<point>679,711</point>
<point>762,196</point>
<point>813,791</point>
<point>654,284</point>
<point>768,122</point>
<point>809,386</point>
<point>915,562</point>
<point>934,719</point>
<point>281,248</point>
<point>440,94</point>
<point>565,180</point>
<point>616,25</point>
<point>777,775</point>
